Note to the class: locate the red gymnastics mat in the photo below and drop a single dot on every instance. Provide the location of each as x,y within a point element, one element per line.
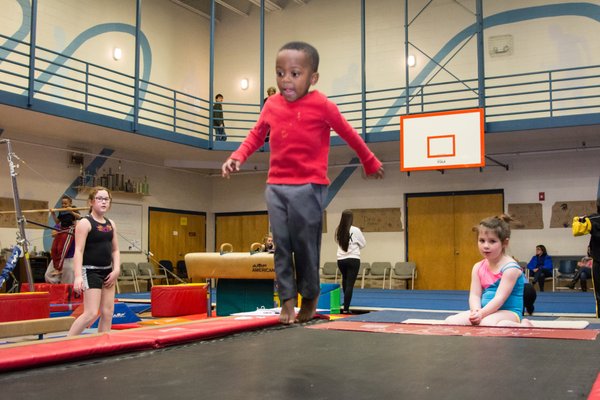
<point>454,330</point>
<point>54,351</point>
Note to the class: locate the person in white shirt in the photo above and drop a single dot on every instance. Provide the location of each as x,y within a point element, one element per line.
<point>350,240</point>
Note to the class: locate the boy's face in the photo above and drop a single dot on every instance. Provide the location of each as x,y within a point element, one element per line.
<point>219,99</point>
<point>294,74</point>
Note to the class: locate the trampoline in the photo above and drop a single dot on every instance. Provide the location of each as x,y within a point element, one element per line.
<point>299,363</point>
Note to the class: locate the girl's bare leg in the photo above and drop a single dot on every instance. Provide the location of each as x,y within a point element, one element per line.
<point>91,303</point>
<point>107,307</point>
<point>461,318</point>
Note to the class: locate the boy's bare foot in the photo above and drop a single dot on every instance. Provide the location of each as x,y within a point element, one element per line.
<point>308,309</point>
<point>288,313</point>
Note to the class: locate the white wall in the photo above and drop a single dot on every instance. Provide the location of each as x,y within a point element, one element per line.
<point>562,176</point>
<point>179,40</point>
<point>333,27</point>
<point>44,174</point>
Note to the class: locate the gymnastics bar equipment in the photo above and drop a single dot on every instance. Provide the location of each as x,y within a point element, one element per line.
<point>233,268</point>
<point>11,263</point>
<point>37,327</point>
<point>21,236</point>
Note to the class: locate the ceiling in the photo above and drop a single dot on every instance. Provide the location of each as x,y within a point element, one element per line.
<point>239,7</point>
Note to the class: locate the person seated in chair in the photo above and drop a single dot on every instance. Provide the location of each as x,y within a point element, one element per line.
<point>540,266</point>
<point>584,272</point>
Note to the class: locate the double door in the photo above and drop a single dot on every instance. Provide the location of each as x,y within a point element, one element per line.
<point>442,237</point>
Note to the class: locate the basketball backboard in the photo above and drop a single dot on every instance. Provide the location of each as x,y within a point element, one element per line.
<point>444,140</point>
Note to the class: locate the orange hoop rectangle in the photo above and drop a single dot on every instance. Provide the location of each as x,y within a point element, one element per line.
<point>431,141</point>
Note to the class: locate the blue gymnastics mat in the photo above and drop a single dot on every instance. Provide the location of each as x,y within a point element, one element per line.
<point>458,300</point>
<point>572,303</point>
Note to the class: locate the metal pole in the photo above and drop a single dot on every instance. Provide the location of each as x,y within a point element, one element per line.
<point>22,237</point>
<point>32,44</point>
<point>480,55</point>
<point>136,73</point>
<point>363,67</point>
<point>406,73</point>
<point>262,54</point>
<point>209,298</point>
<point>211,77</point>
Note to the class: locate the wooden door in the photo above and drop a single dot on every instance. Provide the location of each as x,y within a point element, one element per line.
<point>241,230</point>
<point>441,239</point>
<point>430,245</point>
<point>173,234</point>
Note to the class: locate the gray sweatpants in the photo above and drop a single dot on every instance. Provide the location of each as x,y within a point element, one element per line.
<point>296,218</point>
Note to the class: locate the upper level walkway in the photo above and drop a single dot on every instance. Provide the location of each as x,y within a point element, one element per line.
<point>55,84</point>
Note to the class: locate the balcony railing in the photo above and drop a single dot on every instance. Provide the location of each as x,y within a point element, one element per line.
<point>81,85</point>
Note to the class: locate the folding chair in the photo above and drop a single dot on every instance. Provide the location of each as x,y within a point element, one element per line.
<point>406,271</point>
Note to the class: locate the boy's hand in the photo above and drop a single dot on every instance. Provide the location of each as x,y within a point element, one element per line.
<point>230,166</point>
<point>377,174</point>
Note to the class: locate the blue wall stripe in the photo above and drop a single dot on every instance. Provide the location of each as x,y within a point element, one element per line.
<point>582,9</point>
<point>585,10</point>
<point>339,182</point>
<point>92,32</point>
<point>20,34</point>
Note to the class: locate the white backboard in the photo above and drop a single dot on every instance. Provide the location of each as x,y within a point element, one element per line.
<point>445,140</point>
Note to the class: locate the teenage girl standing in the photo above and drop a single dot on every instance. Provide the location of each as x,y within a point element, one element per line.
<point>97,263</point>
<point>350,240</point>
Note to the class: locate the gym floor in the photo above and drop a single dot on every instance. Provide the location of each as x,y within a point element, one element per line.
<point>299,363</point>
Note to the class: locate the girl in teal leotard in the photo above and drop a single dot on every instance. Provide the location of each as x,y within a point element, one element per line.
<point>496,295</point>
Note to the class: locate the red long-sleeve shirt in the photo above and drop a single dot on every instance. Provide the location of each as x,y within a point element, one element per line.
<point>300,135</point>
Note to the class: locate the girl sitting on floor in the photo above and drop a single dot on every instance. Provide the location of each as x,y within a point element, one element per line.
<point>497,282</point>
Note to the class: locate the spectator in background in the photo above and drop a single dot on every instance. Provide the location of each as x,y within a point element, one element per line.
<point>595,254</point>
<point>584,272</point>
<point>63,243</point>
<point>268,245</point>
<point>270,92</point>
<point>350,240</point>
<point>540,266</point>
<point>218,121</point>
<point>66,273</point>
